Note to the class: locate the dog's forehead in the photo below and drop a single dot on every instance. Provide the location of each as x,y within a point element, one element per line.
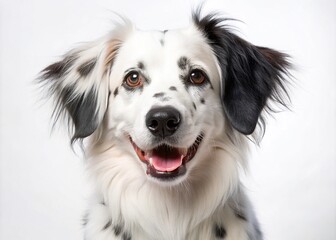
<point>165,44</point>
<point>161,51</point>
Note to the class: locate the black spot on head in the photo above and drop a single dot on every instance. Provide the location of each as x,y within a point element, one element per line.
<point>202,100</point>
<point>117,230</point>
<point>165,99</point>
<point>220,231</point>
<point>162,96</point>
<point>116,91</point>
<point>107,225</point>
<point>126,236</point>
<point>183,63</point>
<point>141,65</point>
<point>165,31</point>
<point>184,79</point>
<point>159,95</point>
<point>194,105</point>
<point>192,113</point>
<point>86,68</point>
<point>172,88</point>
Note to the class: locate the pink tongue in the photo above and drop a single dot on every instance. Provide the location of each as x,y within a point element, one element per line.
<point>166,164</point>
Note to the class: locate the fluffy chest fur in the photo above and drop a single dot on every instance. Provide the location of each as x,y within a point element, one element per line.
<point>164,116</point>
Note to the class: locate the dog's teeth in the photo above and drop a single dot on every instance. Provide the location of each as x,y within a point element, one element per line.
<point>184,152</point>
<point>148,154</point>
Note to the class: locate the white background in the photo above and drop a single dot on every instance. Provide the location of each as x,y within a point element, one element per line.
<point>293,173</point>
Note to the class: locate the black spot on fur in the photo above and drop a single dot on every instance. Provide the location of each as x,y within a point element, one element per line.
<point>165,99</point>
<point>59,69</point>
<point>220,231</point>
<point>107,225</point>
<point>202,101</point>
<point>165,31</point>
<point>172,88</point>
<point>141,65</point>
<point>158,95</point>
<point>185,80</point>
<point>194,105</point>
<point>117,230</point>
<point>126,236</point>
<point>86,68</point>
<point>251,74</point>
<point>116,91</point>
<point>183,63</point>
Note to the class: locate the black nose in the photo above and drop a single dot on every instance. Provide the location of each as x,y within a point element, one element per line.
<point>163,122</point>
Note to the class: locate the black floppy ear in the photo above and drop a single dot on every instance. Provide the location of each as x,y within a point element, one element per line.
<point>250,74</point>
<point>78,85</point>
<point>253,75</point>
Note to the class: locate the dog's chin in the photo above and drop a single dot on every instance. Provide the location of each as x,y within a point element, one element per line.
<point>165,162</point>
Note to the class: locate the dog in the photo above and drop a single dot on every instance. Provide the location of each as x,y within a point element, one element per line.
<point>165,119</point>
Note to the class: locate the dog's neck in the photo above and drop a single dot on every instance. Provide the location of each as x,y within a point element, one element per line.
<point>138,204</point>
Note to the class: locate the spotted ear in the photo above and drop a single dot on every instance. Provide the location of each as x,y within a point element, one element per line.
<point>79,85</point>
<point>251,75</point>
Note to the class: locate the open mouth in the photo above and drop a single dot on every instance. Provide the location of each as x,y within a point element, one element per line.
<point>165,161</point>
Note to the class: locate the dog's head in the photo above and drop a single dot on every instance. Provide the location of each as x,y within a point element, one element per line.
<point>167,97</point>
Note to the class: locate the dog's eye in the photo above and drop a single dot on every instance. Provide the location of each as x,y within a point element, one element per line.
<point>197,77</point>
<point>133,79</point>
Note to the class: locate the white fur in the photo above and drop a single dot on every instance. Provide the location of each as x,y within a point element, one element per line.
<point>147,209</point>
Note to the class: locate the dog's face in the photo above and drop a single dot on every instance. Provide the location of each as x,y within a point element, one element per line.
<point>166,98</point>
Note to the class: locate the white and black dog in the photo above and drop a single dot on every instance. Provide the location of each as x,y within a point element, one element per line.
<point>165,115</point>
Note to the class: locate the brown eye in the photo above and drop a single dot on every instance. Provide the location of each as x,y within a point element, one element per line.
<point>133,79</point>
<point>197,77</point>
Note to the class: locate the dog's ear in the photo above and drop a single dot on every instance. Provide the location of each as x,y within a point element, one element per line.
<point>253,75</point>
<point>79,85</point>
<point>250,74</point>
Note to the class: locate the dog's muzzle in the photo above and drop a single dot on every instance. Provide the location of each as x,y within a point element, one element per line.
<point>165,161</point>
